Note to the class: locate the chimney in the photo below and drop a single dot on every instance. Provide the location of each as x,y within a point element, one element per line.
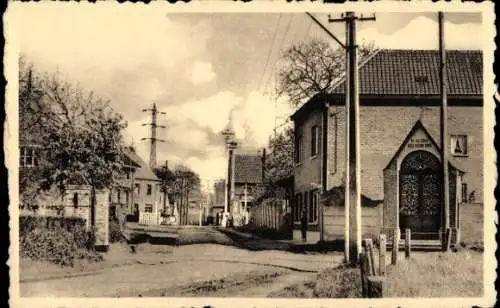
<point>166,164</point>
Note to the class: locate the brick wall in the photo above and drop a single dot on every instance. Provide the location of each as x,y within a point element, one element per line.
<point>391,206</point>
<point>334,223</point>
<point>382,131</point>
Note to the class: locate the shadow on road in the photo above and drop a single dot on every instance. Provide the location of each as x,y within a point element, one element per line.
<point>255,243</point>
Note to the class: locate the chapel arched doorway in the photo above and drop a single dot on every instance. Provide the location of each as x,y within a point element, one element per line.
<point>420,194</point>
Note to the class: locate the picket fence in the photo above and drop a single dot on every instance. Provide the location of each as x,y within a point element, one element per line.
<point>270,215</point>
<point>150,219</point>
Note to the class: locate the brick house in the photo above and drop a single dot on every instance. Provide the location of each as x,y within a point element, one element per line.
<point>399,145</point>
<point>145,192</point>
<point>248,175</point>
<point>75,202</point>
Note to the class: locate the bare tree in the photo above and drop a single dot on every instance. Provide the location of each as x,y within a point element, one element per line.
<point>312,67</point>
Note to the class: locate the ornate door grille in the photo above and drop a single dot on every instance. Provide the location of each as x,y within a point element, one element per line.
<point>420,193</point>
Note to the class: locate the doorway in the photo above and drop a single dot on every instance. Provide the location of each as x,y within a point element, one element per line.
<point>420,195</point>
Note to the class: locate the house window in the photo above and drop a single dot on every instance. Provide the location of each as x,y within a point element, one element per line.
<point>148,208</point>
<point>126,197</point>
<point>75,200</point>
<point>297,209</point>
<point>298,148</point>
<point>305,204</point>
<point>464,192</point>
<point>459,146</point>
<point>118,196</point>
<point>314,140</point>
<point>150,189</point>
<point>312,216</point>
<point>27,157</point>
<point>137,189</point>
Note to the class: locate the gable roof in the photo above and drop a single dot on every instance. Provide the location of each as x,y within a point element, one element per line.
<point>416,72</point>
<point>143,172</point>
<point>418,125</point>
<point>409,74</point>
<point>247,168</point>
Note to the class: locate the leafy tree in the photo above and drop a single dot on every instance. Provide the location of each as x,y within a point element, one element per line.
<point>279,162</point>
<point>79,134</point>
<point>313,67</point>
<point>178,184</point>
<point>186,180</point>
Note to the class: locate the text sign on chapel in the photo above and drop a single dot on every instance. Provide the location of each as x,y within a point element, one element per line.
<point>419,143</point>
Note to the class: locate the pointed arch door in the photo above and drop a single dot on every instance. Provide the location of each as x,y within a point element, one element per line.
<point>420,194</point>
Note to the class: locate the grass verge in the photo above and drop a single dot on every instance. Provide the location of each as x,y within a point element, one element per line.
<point>437,275</point>
<point>339,282</point>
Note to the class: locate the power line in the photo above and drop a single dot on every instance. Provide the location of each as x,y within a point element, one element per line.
<point>281,46</point>
<point>270,50</point>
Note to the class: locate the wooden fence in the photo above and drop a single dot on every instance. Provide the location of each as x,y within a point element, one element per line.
<point>270,215</point>
<point>149,218</point>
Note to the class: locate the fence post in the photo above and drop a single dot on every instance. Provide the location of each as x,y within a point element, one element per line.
<point>368,245</point>
<point>382,249</point>
<point>395,246</point>
<point>407,243</point>
<point>376,286</point>
<point>363,260</point>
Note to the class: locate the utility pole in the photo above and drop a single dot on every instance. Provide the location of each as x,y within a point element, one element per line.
<point>353,166</point>
<point>230,145</point>
<point>153,140</point>
<point>444,132</point>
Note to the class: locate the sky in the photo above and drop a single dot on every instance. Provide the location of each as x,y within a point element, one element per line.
<point>201,68</point>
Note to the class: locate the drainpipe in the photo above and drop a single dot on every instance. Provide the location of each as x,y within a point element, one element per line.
<point>324,165</point>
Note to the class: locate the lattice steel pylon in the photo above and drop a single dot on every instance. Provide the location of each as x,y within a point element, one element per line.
<point>153,139</point>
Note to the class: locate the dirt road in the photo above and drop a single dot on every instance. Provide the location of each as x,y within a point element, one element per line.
<point>194,270</point>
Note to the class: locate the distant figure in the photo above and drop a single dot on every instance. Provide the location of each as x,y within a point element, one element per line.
<point>303,224</point>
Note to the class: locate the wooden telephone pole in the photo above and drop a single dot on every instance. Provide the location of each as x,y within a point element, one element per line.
<point>352,195</point>
<point>153,139</point>
<point>444,133</point>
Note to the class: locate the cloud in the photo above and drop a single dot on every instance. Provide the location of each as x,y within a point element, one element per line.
<point>136,56</point>
<point>211,112</point>
<point>200,72</point>
<point>255,118</point>
<point>422,33</point>
<point>131,56</point>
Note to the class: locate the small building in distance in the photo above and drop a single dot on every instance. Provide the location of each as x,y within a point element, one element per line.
<point>248,176</point>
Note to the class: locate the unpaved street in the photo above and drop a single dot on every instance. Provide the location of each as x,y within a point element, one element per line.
<point>193,270</point>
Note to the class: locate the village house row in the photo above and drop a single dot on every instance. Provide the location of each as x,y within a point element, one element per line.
<point>399,148</point>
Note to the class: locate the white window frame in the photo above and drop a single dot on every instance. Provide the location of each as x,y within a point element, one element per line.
<point>453,142</point>
<point>313,203</point>
<point>24,157</point>
<point>297,208</point>
<point>147,207</point>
